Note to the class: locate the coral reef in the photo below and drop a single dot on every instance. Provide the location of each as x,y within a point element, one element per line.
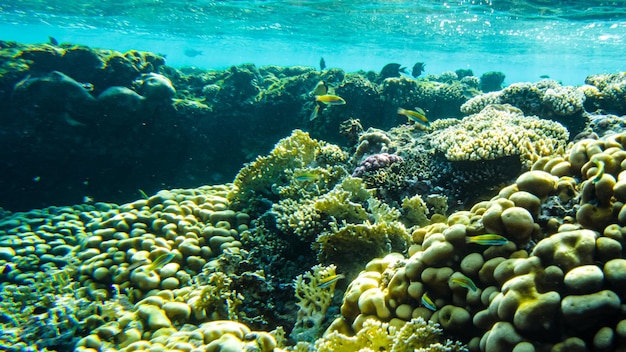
<point>546,267</point>
<point>489,233</point>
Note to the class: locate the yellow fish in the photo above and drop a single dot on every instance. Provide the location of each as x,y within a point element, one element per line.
<point>328,281</point>
<point>307,176</point>
<point>320,89</point>
<point>330,99</point>
<point>158,263</point>
<point>489,239</point>
<point>465,281</point>
<point>418,116</point>
<point>428,303</point>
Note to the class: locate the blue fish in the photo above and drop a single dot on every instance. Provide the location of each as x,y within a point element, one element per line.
<point>428,303</point>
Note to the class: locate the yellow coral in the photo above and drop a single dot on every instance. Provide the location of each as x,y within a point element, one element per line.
<point>314,291</point>
<point>499,131</point>
<point>415,335</point>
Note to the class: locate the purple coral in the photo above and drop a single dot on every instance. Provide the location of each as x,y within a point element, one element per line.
<point>375,162</point>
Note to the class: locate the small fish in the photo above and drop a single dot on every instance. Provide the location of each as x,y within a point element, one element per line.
<point>315,113</point>
<point>143,194</point>
<point>189,52</point>
<point>330,99</point>
<point>489,239</point>
<point>391,70</point>
<point>88,199</point>
<point>428,303</point>
<point>158,263</point>
<point>418,68</point>
<point>53,41</point>
<point>320,89</point>
<point>88,87</point>
<point>328,281</point>
<point>544,76</point>
<point>465,281</point>
<point>322,64</point>
<point>600,173</point>
<point>418,116</point>
<point>307,176</point>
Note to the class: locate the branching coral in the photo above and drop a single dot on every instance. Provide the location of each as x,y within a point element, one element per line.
<point>415,335</point>
<point>499,131</point>
<point>216,300</point>
<point>314,291</point>
<point>46,314</point>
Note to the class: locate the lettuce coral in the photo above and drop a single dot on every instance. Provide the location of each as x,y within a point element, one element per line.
<point>261,182</point>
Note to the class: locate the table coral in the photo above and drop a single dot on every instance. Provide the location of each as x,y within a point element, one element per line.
<point>499,131</point>
<point>547,99</point>
<point>611,91</point>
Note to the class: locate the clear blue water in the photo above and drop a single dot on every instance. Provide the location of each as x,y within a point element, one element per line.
<point>566,40</point>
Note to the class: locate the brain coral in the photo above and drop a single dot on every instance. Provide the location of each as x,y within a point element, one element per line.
<point>191,225</point>
<point>499,131</point>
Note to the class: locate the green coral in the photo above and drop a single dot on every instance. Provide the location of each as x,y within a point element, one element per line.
<point>414,211</point>
<point>415,335</point>
<point>264,180</point>
<point>350,246</point>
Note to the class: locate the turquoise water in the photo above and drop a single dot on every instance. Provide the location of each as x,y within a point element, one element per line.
<point>566,40</point>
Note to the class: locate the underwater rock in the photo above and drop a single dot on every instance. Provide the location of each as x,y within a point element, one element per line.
<point>119,104</point>
<point>53,92</point>
<point>155,87</point>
